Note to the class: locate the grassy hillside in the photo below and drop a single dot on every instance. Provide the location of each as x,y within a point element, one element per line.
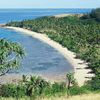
<point>79,97</point>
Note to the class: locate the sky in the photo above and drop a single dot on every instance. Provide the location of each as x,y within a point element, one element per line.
<point>49,3</point>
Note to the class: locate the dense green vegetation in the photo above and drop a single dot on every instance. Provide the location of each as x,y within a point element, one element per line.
<point>36,87</point>
<point>80,35</point>
<point>95,14</point>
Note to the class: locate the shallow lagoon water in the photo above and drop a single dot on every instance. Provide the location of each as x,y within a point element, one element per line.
<point>40,59</point>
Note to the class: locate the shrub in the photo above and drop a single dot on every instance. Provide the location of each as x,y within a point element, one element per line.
<point>47,91</point>
<point>58,89</point>
<point>75,90</point>
<point>11,90</point>
<point>95,83</point>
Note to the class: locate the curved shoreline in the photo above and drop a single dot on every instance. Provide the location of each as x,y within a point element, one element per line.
<point>81,73</point>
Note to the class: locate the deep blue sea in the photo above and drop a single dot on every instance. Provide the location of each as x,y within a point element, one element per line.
<point>41,59</point>
<point>7,15</point>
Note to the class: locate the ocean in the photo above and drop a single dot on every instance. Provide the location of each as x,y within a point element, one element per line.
<point>8,15</point>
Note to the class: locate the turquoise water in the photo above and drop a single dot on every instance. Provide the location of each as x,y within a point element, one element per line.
<point>40,57</point>
<point>7,15</point>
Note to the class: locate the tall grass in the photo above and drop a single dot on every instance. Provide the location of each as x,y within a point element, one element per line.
<point>79,97</point>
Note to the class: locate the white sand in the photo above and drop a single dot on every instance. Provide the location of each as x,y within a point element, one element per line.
<point>81,73</point>
<point>65,15</point>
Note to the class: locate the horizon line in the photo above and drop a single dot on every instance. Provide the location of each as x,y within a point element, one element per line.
<point>47,8</point>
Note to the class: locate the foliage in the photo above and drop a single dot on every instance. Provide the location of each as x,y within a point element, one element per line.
<point>71,81</point>
<point>75,90</point>
<point>95,14</point>
<point>33,87</point>
<point>10,53</point>
<point>59,88</point>
<point>95,83</point>
<point>36,87</point>
<point>11,90</point>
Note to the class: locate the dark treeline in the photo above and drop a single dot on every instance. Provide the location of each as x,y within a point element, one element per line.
<point>80,35</point>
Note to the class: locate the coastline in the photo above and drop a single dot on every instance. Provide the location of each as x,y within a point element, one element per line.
<point>65,15</point>
<point>80,67</point>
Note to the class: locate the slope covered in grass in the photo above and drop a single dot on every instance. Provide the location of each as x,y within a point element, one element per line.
<point>79,97</point>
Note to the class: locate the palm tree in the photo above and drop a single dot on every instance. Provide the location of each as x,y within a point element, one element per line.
<point>34,86</point>
<point>10,55</point>
<point>70,80</point>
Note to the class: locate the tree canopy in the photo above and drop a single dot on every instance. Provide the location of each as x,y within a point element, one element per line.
<point>95,14</point>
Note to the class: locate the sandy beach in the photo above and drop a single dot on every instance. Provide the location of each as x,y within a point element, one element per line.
<point>65,15</point>
<point>81,73</point>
